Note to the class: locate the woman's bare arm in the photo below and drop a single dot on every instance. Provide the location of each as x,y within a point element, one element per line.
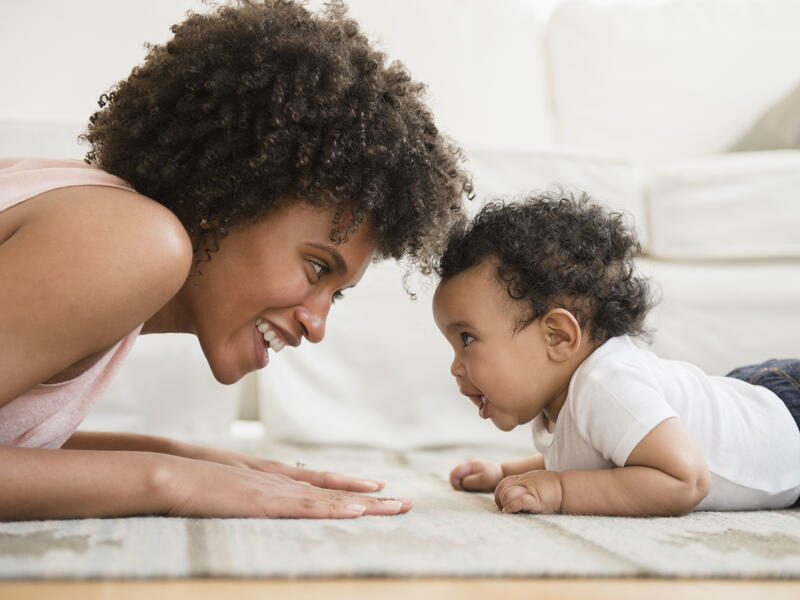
<point>52,484</point>
<point>81,267</point>
<point>665,474</point>
<point>92,440</point>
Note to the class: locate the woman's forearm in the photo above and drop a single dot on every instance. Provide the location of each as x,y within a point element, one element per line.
<point>97,440</point>
<point>52,484</point>
<point>136,442</point>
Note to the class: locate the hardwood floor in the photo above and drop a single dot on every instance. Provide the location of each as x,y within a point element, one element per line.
<point>405,589</point>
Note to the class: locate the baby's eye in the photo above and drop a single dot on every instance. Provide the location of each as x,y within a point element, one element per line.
<point>467,339</point>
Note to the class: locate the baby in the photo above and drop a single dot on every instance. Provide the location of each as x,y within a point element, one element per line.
<point>539,300</point>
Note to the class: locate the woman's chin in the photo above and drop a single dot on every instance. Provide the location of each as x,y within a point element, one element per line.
<point>227,374</point>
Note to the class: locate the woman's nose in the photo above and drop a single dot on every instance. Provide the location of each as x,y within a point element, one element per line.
<point>313,317</point>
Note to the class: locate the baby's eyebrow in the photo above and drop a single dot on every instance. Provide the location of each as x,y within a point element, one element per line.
<point>459,325</point>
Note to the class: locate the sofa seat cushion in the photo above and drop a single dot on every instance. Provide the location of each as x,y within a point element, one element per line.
<point>615,182</point>
<point>721,315</point>
<point>741,206</point>
<point>668,79</point>
<point>380,378</point>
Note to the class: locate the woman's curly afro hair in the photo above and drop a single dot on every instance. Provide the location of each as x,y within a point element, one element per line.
<point>257,104</point>
<point>558,250</point>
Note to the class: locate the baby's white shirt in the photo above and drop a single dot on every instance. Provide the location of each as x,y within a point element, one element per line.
<point>621,392</point>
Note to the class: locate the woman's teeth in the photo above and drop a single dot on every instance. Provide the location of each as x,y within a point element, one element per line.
<point>270,336</point>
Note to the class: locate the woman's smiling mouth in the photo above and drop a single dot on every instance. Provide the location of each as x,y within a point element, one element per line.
<point>270,336</point>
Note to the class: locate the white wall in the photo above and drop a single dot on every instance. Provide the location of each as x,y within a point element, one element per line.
<point>63,55</point>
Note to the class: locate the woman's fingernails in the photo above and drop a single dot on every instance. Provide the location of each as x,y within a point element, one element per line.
<point>371,486</point>
<point>356,509</point>
<point>394,504</point>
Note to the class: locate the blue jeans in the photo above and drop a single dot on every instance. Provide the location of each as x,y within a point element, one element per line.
<point>780,376</point>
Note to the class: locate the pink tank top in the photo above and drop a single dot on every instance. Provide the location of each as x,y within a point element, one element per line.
<point>45,416</point>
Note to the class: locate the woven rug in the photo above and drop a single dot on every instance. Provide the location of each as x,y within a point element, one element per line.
<point>447,533</point>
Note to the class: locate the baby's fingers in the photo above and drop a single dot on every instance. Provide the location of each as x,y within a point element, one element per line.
<point>522,503</point>
<point>478,482</point>
<point>457,475</point>
<point>505,494</point>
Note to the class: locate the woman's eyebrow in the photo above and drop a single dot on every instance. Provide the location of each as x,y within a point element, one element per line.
<point>339,264</point>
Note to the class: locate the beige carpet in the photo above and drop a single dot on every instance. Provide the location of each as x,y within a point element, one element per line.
<point>447,534</point>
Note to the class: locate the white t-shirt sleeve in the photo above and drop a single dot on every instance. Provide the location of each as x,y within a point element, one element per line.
<point>614,406</point>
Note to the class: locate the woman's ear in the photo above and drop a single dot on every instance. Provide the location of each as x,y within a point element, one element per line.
<point>562,334</point>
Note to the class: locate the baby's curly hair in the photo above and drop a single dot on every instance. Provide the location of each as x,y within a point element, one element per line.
<point>254,105</point>
<point>557,250</point>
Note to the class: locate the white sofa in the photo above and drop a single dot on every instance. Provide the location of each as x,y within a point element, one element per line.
<point>635,101</point>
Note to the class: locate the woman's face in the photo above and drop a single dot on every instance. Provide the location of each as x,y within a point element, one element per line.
<point>270,285</point>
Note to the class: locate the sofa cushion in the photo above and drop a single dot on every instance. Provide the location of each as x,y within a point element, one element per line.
<point>728,206</point>
<point>380,378</point>
<point>165,387</point>
<point>483,64</point>
<point>721,315</point>
<point>777,129</point>
<point>668,79</point>
<point>614,182</point>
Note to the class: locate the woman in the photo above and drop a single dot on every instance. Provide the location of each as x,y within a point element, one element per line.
<point>238,181</point>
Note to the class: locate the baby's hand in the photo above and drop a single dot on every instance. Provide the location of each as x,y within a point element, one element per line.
<point>476,476</point>
<point>534,492</point>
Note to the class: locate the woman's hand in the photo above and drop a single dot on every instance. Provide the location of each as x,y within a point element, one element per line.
<point>322,479</point>
<point>476,476</point>
<point>534,492</point>
<point>200,488</point>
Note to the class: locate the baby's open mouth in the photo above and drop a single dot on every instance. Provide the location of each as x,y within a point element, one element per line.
<point>483,410</point>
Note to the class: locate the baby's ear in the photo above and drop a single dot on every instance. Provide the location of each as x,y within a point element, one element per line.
<point>562,334</point>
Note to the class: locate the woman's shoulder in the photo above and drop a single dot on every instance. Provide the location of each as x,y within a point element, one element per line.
<point>119,252</point>
<point>122,228</point>
<point>85,265</point>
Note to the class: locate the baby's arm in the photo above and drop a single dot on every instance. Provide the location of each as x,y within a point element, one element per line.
<point>479,475</point>
<point>665,474</point>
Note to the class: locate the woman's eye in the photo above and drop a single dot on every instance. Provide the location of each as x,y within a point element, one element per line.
<point>319,269</point>
<point>337,295</point>
<point>467,339</point>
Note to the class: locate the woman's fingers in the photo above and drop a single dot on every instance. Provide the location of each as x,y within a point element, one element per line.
<point>331,481</point>
<point>317,503</point>
<point>335,481</point>
<point>204,489</point>
<point>323,495</point>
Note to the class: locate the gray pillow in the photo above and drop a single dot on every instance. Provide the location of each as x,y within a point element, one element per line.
<point>777,129</point>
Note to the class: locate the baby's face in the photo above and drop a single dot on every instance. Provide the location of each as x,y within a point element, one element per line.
<point>506,374</point>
